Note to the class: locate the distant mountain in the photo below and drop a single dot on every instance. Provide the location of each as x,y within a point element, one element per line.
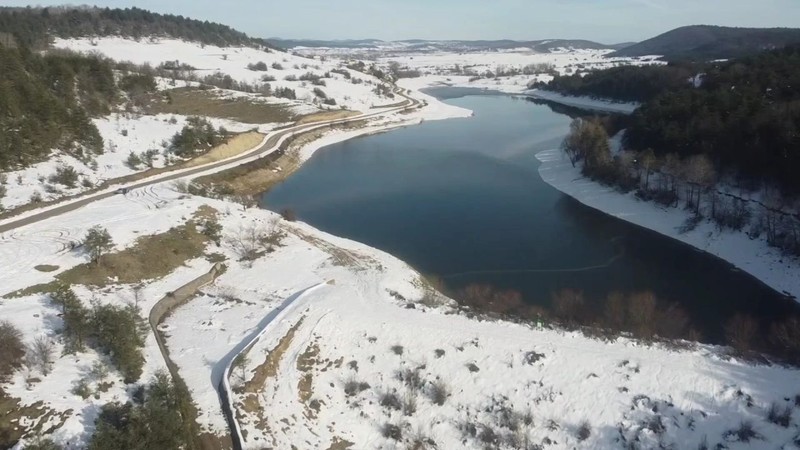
<point>712,42</point>
<point>409,45</point>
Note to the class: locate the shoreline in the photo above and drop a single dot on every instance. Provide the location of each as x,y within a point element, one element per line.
<point>752,256</point>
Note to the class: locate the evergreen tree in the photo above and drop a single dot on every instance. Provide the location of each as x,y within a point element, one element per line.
<point>98,242</point>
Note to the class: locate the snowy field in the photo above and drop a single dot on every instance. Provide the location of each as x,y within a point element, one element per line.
<point>753,256</point>
<point>370,356</point>
<point>470,69</point>
<point>233,61</point>
<point>122,134</point>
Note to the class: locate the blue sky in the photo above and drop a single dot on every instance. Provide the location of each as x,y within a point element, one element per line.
<point>607,21</point>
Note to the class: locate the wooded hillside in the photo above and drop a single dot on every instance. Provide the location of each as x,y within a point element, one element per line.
<point>33,27</point>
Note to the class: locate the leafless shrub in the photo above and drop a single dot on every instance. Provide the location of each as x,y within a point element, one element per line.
<point>741,332</point>
<point>411,378</point>
<point>744,433</point>
<point>353,387</point>
<point>392,431</point>
<point>437,392</point>
<point>780,415</point>
<point>410,403</point>
<point>252,241</point>
<point>390,400</point>
<point>41,354</point>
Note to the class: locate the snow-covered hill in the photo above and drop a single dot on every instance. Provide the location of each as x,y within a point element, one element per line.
<point>355,93</point>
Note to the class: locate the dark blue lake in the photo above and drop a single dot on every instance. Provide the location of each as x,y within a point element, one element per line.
<point>462,199</point>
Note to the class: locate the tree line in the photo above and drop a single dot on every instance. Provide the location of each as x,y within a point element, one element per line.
<point>689,182</point>
<point>744,115</point>
<point>641,315</point>
<point>34,27</point>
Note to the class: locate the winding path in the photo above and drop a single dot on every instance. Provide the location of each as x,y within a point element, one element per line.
<point>273,142</point>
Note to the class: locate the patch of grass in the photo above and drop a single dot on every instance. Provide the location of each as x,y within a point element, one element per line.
<point>46,268</point>
<point>326,115</point>
<point>150,257</point>
<point>193,101</point>
<point>17,421</point>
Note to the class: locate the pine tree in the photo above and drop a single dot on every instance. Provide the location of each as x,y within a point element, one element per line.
<point>98,242</point>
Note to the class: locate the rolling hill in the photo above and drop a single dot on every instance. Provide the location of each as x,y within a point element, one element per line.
<point>712,42</point>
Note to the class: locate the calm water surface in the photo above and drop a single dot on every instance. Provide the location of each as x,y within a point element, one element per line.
<point>462,199</point>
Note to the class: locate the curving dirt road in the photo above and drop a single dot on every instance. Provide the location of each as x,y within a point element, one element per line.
<point>270,145</point>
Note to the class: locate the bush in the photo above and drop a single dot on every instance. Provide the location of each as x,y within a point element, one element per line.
<point>584,431</point>
<point>745,433</point>
<point>65,175</point>
<point>277,66</point>
<point>260,66</point>
<point>390,400</point>
<point>290,78</point>
<point>133,161</point>
<point>778,415</point>
<point>437,392</point>
<point>268,78</point>
<point>741,332</point>
<point>353,387</point>
<point>41,354</point>
<point>320,93</point>
<point>288,215</point>
<point>287,93</point>
<point>12,349</point>
<point>392,431</point>
<point>397,349</point>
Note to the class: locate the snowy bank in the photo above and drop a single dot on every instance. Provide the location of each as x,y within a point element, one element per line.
<point>594,104</point>
<point>753,256</point>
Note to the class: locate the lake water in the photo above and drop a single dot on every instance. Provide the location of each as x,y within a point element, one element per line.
<point>462,199</point>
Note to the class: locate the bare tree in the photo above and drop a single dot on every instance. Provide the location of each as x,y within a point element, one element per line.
<point>568,305</point>
<point>642,313</point>
<point>741,332</point>
<point>41,354</point>
<point>240,362</point>
<point>253,240</point>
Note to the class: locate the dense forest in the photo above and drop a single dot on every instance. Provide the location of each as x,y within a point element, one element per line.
<point>626,83</point>
<point>46,102</point>
<point>34,27</point>
<point>743,114</point>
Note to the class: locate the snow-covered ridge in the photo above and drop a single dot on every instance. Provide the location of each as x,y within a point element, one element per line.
<point>753,256</point>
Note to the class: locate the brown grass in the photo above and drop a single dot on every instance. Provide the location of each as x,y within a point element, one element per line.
<point>192,101</point>
<point>150,257</point>
<point>305,363</point>
<point>340,444</point>
<point>234,146</point>
<point>18,421</point>
<point>327,115</point>
<point>251,403</point>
